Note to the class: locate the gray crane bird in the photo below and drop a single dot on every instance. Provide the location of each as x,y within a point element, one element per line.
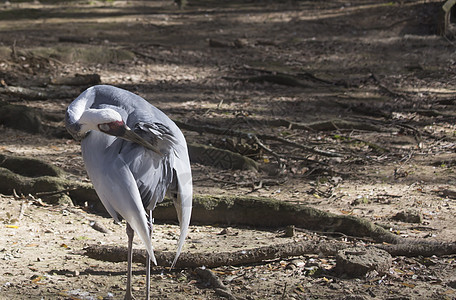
<point>134,155</point>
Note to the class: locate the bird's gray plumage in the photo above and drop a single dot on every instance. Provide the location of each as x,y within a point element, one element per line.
<point>129,177</point>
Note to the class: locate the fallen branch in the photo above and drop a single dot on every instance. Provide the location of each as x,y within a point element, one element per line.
<point>446,193</point>
<point>36,93</point>
<point>23,92</point>
<point>416,248</point>
<point>255,137</point>
<point>212,260</point>
<point>261,254</point>
<point>281,79</point>
<point>78,80</point>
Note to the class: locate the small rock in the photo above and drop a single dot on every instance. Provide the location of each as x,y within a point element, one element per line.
<point>334,286</point>
<point>225,231</point>
<point>241,43</point>
<point>452,284</point>
<point>359,261</point>
<point>220,44</point>
<point>295,263</point>
<point>409,216</point>
<point>65,200</point>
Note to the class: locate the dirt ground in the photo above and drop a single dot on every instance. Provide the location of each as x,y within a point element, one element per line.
<point>252,66</point>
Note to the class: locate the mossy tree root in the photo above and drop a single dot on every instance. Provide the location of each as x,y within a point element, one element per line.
<point>36,177</point>
<point>269,212</point>
<point>33,176</point>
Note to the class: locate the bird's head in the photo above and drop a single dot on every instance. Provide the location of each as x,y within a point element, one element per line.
<point>105,120</point>
<point>108,121</point>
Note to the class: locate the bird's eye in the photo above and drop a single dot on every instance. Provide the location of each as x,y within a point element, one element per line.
<point>104,127</point>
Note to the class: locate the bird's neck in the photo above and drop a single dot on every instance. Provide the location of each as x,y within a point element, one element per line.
<point>79,105</point>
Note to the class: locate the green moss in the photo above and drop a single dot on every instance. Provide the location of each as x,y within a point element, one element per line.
<point>30,167</point>
<point>221,158</point>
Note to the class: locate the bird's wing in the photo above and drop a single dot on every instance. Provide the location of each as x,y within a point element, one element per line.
<point>152,173</point>
<point>172,171</point>
<point>115,184</point>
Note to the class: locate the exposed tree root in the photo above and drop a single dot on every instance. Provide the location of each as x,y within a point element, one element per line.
<point>261,254</point>
<point>212,260</point>
<point>417,248</point>
<point>29,119</point>
<point>33,176</point>
<point>79,193</point>
<point>20,117</point>
<point>30,167</point>
<point>40,178</point>
<point>22,92</point>
<point>268,212</point>
<point>221,158</point>
<point>256,211</point>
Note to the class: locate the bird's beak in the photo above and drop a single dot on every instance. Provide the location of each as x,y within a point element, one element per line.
<point>131,136</point>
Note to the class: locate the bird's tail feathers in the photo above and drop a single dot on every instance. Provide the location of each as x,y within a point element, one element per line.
<point>183,205</point>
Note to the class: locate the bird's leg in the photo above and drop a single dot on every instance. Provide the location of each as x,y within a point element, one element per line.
<point>130,235</point>
<point>151,221</point>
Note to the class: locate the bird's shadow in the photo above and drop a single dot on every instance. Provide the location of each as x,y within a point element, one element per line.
<point>91,271</point>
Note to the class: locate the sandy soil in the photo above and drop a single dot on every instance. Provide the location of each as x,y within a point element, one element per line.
<point>378,63</point>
